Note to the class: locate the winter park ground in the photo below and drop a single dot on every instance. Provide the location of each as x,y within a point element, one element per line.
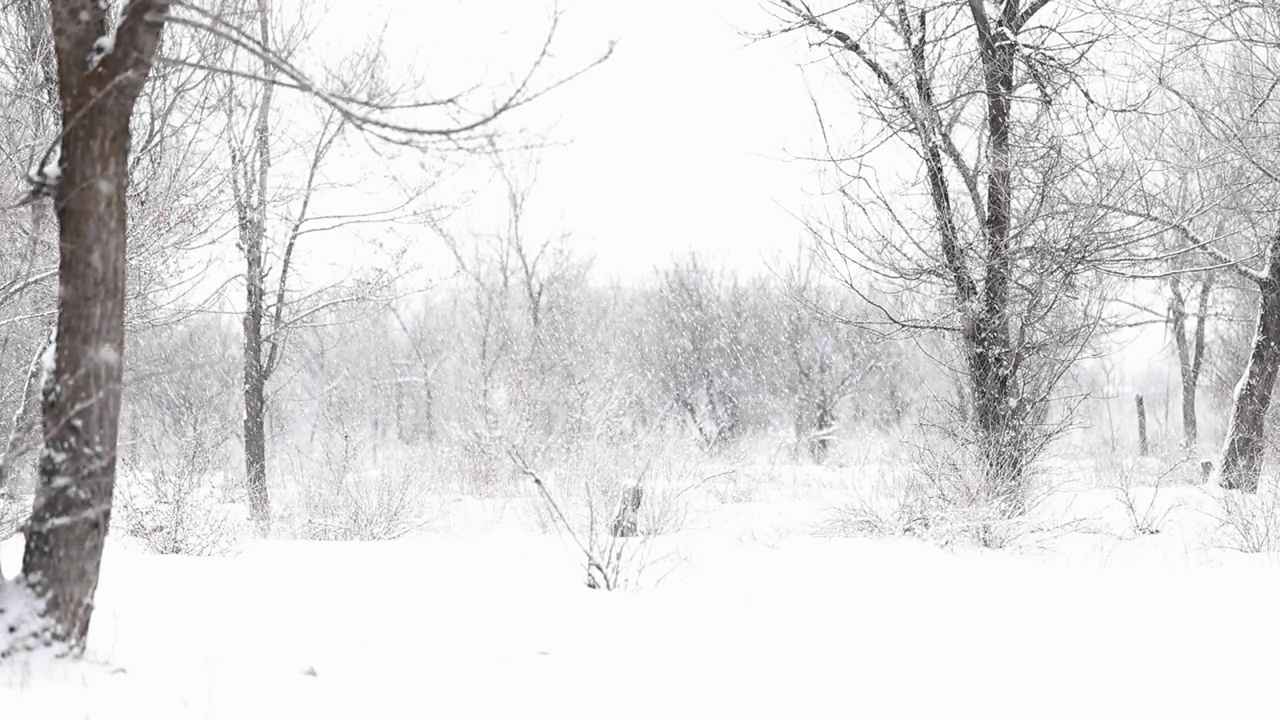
<point>756,601</point>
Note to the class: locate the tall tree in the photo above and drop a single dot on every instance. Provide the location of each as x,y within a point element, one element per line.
<point>251,182</point>
<point>698,328</point>
<point>978,93</point>
<point>828,357</point>
<point>100,75</point>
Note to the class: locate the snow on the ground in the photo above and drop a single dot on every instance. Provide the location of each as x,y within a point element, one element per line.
<point>758,618</point>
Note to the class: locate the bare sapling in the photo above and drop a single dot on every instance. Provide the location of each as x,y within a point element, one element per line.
<point>603,568</point>
<point>1145,513</point>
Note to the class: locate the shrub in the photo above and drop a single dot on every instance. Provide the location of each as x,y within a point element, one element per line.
<point>345,496</point>
<point>614,526</point>
<point>1247,522</point>
<point>1145,513</point>
<point>175,504</point>
<point>942,496</point>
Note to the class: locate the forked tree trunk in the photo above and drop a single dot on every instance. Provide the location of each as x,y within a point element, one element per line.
<point>81,394</point>
<point>998,412</point>
<point>1190,353</point>
<point>981,280</point>
<point>1242,451</point>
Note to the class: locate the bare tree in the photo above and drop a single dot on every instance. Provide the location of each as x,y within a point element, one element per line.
<point>697,347</point>
<point>100,75</point>
<point>978,93</point>
<point>416,411</point>
<point>488,268</point>
<point>829,358</point>
<point>517,279</point>
<point>250,139</point>
<point>548,381</point>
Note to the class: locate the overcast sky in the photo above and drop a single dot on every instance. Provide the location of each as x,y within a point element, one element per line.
<point>683,140</point>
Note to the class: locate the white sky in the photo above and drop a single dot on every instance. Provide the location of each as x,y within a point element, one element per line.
<point>682,140</point>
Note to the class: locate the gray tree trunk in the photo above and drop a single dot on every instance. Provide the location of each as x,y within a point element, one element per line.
<point>1191,351</point>
<point>253,180</point>
<point>1144,449</point>
<point>255,386</point>
<point>1243,449</point>
<point>999,413</point>
<point>81,396</point>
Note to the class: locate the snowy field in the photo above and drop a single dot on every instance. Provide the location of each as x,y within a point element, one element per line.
<point>751,608</point>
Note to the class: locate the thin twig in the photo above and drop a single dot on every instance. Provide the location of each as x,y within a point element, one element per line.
<point>592,562</point>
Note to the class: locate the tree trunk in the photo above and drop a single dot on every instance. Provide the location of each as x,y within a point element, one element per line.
<point>1143,448</point>
<point>251,204</point>
<point>982,277</point>
<point>255,384</point>
<point>626,514</point>
<point>1190,420</point>
<point>81,393</point>
<point>824,424</point>
<point>1242,451</point>
<point>1190,353</point>
<point>998,413</point>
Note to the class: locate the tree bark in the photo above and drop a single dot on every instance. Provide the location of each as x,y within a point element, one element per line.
<point>997,411</point>
<point>255,385</point>
<point>251,178</point>
<point>1190,352</point>
<point>1141,405</point>
<point>81,393</point>
<point>825,424</point>
<point>1245,443</point>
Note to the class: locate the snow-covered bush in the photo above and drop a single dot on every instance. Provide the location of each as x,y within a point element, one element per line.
<point>1146,509</point>
<point>177,488</point>
<point>1247,522</point>
<point>582,497</point>
<point>732,488</point>
<point>672,474</point>
<point>615,560</point>
<point>347,496</point>
<point>943,496</point>
<point>892,506</point>
<point>177,505</point>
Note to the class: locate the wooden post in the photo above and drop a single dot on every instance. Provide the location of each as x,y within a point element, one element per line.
<point>1143,448</point>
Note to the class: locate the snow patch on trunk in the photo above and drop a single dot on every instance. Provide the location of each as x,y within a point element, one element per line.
<point>49,360</point>
<point>102,47</point>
